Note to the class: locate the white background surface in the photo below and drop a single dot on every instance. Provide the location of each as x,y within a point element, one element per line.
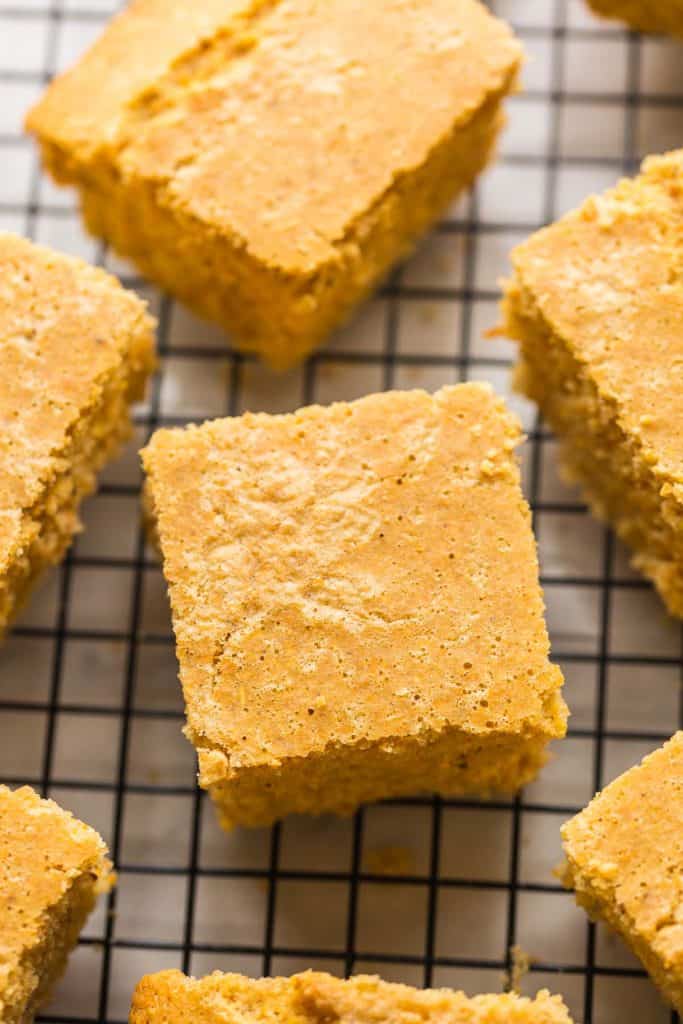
<point>89,702</point>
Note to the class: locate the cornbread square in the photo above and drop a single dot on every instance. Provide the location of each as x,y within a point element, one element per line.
<point>313,998</point>
<point>52,867</point>
<point>625,863</point>
<point>267,161</point>
<point>75,351</point>
<point>644,15</point>
<point>356,602</point>
<point>596,303</point>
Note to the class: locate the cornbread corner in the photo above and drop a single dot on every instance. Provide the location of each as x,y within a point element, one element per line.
<point>644,15</point>
<point>625,863</point>
<point>52,868</point>
<point>312,997</point>
<point>266,161</point>
<point>596,303</point>
<point>75,351</point>
<point>356,602</point>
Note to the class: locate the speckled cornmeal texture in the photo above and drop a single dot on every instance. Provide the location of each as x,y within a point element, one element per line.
<point>625,862</point>
<point>644,15</point>
<point>356,602</point>
<point>268,160</point>
<point>315,998</point>
<point>52,867</point>
<point>596,303</point>
<point>75,351</point>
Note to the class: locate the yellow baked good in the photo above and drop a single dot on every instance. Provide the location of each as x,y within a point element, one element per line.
<point>75,351</point>
<point>644,15</point>
<point>52,867</point>
<point>266,162</point>
<point>313,998</point>
<point>356,602</point>
<point>625,862</point>
<point>596,303</point>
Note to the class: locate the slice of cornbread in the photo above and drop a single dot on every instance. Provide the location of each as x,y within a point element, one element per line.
<point>625,862</point>
<point>267,160</point>
<point>644,15</point>
<point>356,602</point>
<point>596,303</point>
<point>52,867</point>
<point>313,998</point>
<point>75,351</point>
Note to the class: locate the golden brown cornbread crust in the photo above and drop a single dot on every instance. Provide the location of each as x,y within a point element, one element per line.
<point>596,303</point>
<point>355,598</point>
<point>75,351</point>
<point>52,867</point>
<point>625,862</point>
<point>316,998</point>
<point>370,118</point>
<point>644,15</point>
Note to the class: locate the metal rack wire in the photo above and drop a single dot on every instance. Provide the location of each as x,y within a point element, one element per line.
<point>89,705</point>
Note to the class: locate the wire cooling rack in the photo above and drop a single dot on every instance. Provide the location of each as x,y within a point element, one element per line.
<point>433,892</point>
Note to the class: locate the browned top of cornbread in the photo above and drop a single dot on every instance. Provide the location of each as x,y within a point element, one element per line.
<point>628,846</point>
<point>43,851</point>
<point>278,123</point>
<point>608,279</point>
<point>352,573</point>
<point>314,998</point>
<point>64,328</point>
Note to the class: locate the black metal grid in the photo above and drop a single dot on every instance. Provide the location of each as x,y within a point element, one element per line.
<point>38,706</point>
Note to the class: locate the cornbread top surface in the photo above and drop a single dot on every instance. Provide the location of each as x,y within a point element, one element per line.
<point>608,279</point>
<point>353,573</point>
<point>314,998</point>
<point>64,327</point>
<point>43,851</point>
<point>276,123</point>
<point>628,845</point>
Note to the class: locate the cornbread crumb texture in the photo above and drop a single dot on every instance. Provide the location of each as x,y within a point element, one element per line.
<point>597,305</point>
<point>314,998</point>
<point>625,861</point>
<point>75,350</point>
<point>51,868</point>
<point>389,860</point>
<point>521,962</point>
<point>356,602</point>
<point>283,151</point>
<point>644,15</point>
